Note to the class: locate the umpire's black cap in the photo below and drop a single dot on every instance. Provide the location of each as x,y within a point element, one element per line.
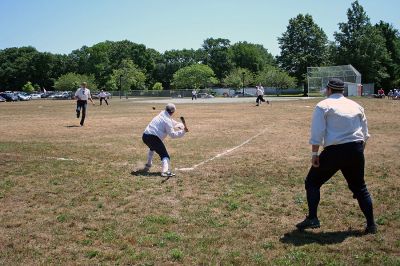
<point>335,84</point>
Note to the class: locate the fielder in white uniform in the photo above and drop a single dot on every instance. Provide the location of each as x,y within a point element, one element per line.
<point>82,95</point>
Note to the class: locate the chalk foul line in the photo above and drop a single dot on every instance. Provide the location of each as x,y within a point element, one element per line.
<point>221,154</point>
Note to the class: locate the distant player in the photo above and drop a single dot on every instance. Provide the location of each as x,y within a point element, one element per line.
<point>260,95</point>
<point>103,96</point>
<point>154,134</point>
<point>194,94</point>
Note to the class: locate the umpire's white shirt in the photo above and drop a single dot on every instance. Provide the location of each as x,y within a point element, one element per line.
<point>338,120</point>
<point>163,125</point>
<point>83,94</point>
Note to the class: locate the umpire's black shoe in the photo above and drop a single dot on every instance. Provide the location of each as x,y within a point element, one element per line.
<point>308,223</point>
<point>372,229</point>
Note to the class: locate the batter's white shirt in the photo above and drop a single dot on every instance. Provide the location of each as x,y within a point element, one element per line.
<point>338,120</point>
<point>163,125</point>
<point>83,94</point>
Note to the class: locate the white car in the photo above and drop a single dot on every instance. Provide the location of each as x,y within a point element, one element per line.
<point>204,95</point>
<point>36,96</point>
<point>23,96</point>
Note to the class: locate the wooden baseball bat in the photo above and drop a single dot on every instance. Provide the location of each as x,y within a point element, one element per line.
<point>184,123</point>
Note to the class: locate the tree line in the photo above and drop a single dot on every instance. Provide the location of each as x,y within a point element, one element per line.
<point>374,50</point>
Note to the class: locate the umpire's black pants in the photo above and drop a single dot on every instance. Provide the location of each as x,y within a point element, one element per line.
<point>349,159</point>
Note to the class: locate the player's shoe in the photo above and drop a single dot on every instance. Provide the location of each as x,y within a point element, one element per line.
<point>147,167</point>
<point>167,174</point>
<point>372,229</point>
<point>308,223</point>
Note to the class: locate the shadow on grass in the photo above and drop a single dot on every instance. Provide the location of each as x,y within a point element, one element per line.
<point>142,172</point>
<point>300,238</point>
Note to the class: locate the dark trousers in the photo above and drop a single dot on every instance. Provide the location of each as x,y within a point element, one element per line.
<point>349,159</point>
<point>155,144</point>
<point>194,97</point>
<point>101,100</point>
<point>81,105</point>
<point>260,98</point>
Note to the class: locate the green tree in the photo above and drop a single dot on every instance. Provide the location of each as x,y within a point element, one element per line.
<point>251,56</point>
<point>77,61</point>
<point>276,78</point>
<point>157,86</point>
<point>194,77</point>
<point>239,78</point>
<point>28,87</point>
<point>16,67</point>
<point>392,43</point>
<point>303,44</point>
<point>127,77</point>
<point>72,81</point>
<point>173,60</point>
<point>216,56</point>
<point>362,45</point>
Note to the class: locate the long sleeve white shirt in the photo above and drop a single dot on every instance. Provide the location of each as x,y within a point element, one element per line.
<point>163,125</point>
<point>338,120</point>
<point>83,94</point>
<point>260,91</point>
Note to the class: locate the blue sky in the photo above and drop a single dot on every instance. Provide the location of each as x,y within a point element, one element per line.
<point>60,26</point>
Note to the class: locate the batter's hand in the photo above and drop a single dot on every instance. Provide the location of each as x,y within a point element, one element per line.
<point>315,161</point>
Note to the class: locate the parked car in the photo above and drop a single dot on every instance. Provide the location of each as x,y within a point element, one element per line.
<point>36,96</point>
<point>204,95</point>
<point>246,94</point>
<point>2,99</point>
<point>65,95</point>
<point>23,96</point>
<point>47,94</point>
<point>10,97</point>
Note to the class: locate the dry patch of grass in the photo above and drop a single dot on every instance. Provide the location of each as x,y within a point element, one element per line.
<point>67,194</point>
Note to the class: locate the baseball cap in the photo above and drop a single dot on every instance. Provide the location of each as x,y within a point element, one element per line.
<point>335,84</point>
<point>170,108</point>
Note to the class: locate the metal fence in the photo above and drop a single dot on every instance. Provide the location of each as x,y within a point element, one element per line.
<point>223,92</point>
<point>318,77</point>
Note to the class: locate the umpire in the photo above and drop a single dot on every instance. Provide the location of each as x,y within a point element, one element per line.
<point>340,126</point>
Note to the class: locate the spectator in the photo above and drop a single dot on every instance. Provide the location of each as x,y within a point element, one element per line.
<point>381,93</point>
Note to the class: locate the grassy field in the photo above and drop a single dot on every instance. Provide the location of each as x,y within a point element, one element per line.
<point>75,195</point>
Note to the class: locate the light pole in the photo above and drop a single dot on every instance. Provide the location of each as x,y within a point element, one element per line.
<point>120,85</point>
<point>243,73</point>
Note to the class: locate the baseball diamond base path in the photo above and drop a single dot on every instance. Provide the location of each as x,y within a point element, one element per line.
<point>217,100</point>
